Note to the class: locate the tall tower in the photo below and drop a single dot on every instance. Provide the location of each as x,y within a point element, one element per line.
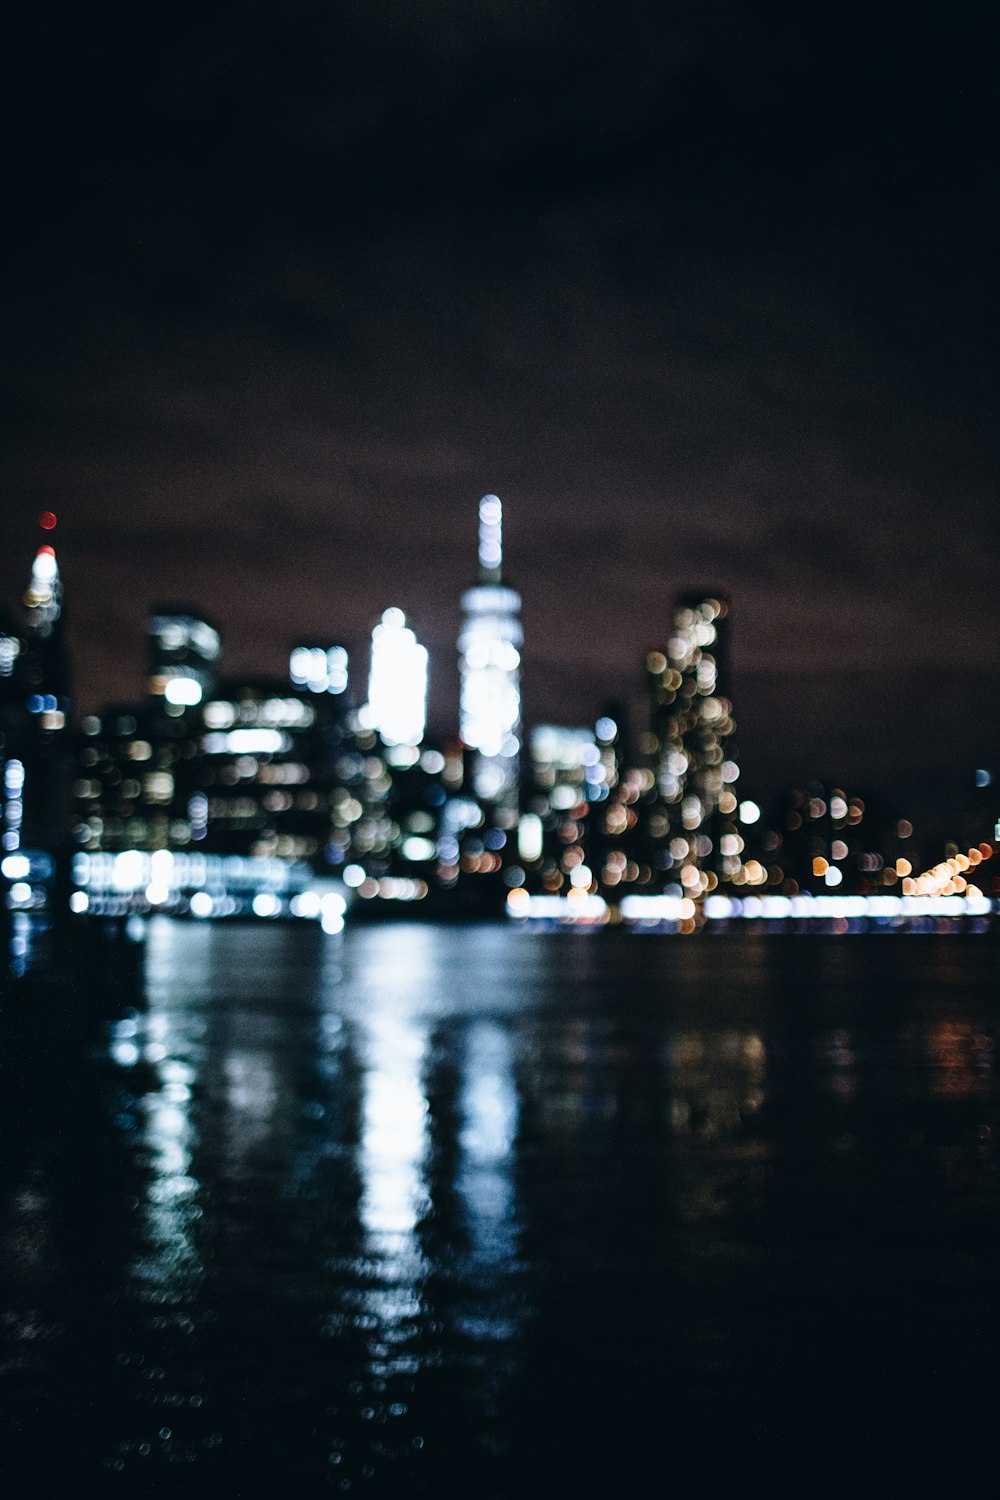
<point>36,767</point>
<point>694,763</point>
<point>490,665</point>
<point>46,684</point>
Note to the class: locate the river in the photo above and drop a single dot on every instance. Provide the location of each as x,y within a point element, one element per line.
<point>473,1210</point>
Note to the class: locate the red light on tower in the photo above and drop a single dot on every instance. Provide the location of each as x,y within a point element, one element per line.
<point>47,520</point>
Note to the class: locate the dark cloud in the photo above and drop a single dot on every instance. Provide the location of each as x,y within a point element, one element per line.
<point>704,297</point>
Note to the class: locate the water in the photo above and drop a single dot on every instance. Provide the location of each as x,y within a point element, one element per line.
<point>462,1211</point>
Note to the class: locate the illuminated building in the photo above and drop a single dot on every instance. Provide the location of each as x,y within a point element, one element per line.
<point>692,836</point>
<point>397,682</point>
<point>183,655</point>
<point>137,769</point>
<point>13,738</point>
<point>10,651</point>
<point>490,661</point>
<point>568,775</point>
<point>35,759</point>
<point>44,682</point>
<point>264,774</point>
<point>319,668</point>
<point>137,764</point>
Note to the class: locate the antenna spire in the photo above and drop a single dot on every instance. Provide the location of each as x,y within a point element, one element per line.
<point>490,539</point>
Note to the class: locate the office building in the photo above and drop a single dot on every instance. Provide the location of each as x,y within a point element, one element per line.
<point>184,651</point>
<point>490,663</point>
<point>691,832</point>
<point>397,683</point>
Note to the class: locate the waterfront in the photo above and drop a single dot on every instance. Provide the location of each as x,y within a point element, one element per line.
<point>463,1210</point>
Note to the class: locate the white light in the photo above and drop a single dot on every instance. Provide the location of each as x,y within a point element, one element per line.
<point>654,908</point>
<point>182,690</point>
<point>201,904</point>
<point>749,812</point>
<point>977,906</point>
<point>306,904</point>
<point>418,848</point>
<point>161,866</point>
<point>559,908</point>
<point>397,684</point>
<point>266,905</point>
<point>833,876</point>
<point>780,908</point>
<point>332,908</point>
<point>529,837</point>
<point>490,533</point>
<point>246,742</point>
<point>15,867</point>
<point>44,567</point>
<point>78,902</point>
<point>321,670</point>
<point>402,756</point>
<point>157,893</point>
<point>218,715</point>
<point>20,893</point>
<point>129,870</point>
<point>554,745</point>
<point>354,876</point>
<point>490,703</point>
<point>580,876</point>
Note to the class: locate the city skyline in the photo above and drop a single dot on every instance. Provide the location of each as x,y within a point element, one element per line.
<point>216,796</point>
<point>885,766</point>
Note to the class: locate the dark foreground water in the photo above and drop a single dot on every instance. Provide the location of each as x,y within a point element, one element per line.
<point>477,1211</point>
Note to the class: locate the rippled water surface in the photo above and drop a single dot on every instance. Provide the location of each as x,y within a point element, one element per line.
<point>461,1211</point>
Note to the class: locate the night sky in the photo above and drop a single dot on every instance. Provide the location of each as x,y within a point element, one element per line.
<point>706,296</point>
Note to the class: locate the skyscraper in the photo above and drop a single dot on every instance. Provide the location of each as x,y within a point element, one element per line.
<point>490,662</point>
<point>397,682</point>
<point>35,762</point>
<point>691,726</point>
<point>45,682</point>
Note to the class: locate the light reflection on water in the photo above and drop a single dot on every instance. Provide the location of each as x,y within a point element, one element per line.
<point>425,1209</point>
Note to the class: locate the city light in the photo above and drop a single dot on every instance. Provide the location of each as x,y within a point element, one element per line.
<point>319,669</point>
<point>397,683</point>
<point>489,664</point>
<point>221,798</point>
<point>182,690</point>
